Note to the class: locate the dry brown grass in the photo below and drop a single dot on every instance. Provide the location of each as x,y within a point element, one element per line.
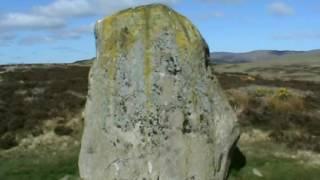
<point>238,99</point>
<point>287,105</point>
<point>279,100</point>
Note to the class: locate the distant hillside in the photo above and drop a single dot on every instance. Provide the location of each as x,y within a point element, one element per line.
<point>302,66</point>
<point>260,55</point>
<point>252,56</point>
<point>85,61</point>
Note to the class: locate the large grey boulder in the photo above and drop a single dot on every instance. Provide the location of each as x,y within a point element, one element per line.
<point>154,111</point>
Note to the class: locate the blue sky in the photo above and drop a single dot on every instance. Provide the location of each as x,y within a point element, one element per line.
<point>55,31</point>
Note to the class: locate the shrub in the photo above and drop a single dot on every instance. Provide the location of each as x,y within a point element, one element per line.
<point>239,100</point>
<point>24,111</point>
<point>283,93</point>
<point>15,123</point>
<point>8,141</point>
<point>261,92</point>
<point>63,130</point>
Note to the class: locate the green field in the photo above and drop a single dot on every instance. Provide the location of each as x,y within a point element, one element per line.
<point>53,165</point>
<point>39,165</point>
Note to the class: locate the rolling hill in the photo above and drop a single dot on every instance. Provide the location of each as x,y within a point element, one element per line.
<point>303,66</point>
<point>252,56</point>
<point>259,55</point>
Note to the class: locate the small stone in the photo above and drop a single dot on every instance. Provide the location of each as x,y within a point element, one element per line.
<point>257,172</point>
<point>69,177</point>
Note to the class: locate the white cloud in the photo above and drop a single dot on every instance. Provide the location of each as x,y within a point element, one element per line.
<point>52,19</point>
<point>65,8</point>
<point>73,33</point>
<point>107,7</point>
<point>281,9</point>
<point>57,13</point>
<point>57,35</point>
<point>29,21</point>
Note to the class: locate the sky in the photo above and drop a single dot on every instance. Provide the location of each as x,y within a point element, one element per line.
<point>58,31</point>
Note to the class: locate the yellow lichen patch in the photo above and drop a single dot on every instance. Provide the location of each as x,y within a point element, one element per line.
<point>182,36</point>
<point>187,37</point>
<point>194,98</point>
<point>159,17</point>
<point>181,40</point>
<point>148,75</point>
<point>120,32</point>
<point>147,56</point>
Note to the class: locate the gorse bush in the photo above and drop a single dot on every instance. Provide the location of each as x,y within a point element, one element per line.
<point>283,93</point>
<point>260,92</point>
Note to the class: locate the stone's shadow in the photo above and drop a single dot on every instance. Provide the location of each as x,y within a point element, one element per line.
<point>238,159</point>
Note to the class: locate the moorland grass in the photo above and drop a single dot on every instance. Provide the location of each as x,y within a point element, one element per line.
<point>39,166</point>
<point>267,159</point>
<point>275,168</point>
<point>46,166</point>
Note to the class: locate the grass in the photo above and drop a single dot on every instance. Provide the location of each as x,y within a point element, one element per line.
<point>46,166</point>
<point>275,162</point>
<point>275,168</point>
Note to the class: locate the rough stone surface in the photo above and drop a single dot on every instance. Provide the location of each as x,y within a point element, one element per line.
<point>154,109</point>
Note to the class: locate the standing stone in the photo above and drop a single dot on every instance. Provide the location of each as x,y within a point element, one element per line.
<point>154,111</point>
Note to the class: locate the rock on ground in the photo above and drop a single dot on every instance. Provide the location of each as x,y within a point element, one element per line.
<point>154,109</point>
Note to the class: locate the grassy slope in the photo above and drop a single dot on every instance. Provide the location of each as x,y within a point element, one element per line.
<point>35,165</point>
<point>52,164</point>
<point>262,158</point>
<point>298,67</point>
<point>31,166</point>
